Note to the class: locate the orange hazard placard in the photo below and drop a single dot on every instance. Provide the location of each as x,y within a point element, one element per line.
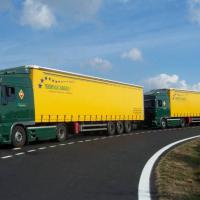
<point>21,94</point>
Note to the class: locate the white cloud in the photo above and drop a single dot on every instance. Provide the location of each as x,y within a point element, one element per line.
<point>134,54</point>
<point>194,8</point>
<point>37,15</point>
<point>42,14</point>
<point>100,64</point>
<point>169,81</point>
<point>82,10</point>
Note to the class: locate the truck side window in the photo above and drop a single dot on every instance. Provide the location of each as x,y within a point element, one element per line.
<point>160,103</point>
<point>10,93</point>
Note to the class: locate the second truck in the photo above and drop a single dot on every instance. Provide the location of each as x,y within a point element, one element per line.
<point>171,107</point>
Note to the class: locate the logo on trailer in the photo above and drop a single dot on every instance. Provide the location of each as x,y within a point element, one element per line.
<point>21,94</point>
<point>50,83</point>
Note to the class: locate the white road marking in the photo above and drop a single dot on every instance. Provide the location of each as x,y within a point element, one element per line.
<point>95,139</point>
<point>19,154</point>
<point>81,141</point>
<point>42,148</point>
<point>62,144</point>
<point>15,149</point>
<point>52,146</point>
<point>32,150</point>
<point>144,183</point>
<point>5,157</point>
<point>70,143</point>
<point>87,140</point>
<point>137,133</point>
<point>117,135</point>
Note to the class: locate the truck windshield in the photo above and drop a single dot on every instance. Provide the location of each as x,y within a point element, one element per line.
<point>149,103</point>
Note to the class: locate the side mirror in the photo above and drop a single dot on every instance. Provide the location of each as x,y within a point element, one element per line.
<point>4,100</point>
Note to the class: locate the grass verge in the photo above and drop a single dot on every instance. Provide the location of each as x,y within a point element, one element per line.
<point>178,173</point>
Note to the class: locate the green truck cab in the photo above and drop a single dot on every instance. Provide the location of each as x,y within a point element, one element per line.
<point>17,110</point>
<point>16,102</point>
<point>157,109</point>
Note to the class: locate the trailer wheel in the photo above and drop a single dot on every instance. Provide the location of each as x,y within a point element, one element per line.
<point>127,126</point>
<point>119,127</point>
<point>183,123</point>
<point>61,133</point>
<point>111,128</point>
<point>163,123</point>
<point>18,137</point>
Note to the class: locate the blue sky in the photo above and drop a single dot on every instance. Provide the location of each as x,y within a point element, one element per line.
<point>155,43</point>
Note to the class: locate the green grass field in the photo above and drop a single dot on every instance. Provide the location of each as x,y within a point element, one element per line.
<point>178,173</point>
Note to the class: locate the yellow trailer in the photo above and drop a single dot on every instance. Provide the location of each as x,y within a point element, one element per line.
<point>184,103</point>
<point>90,103</point>
<point>63,96</point>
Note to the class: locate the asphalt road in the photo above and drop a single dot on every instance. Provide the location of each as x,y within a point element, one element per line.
<point>84,168</point>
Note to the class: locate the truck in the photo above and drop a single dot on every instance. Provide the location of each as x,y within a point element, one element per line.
<point>39,103</point>
<point>171,107</point>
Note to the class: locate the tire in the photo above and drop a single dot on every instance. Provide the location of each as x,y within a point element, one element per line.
<point>18,137</point>
<point>111,128</point>
<point>119,127</point>
<point>183,123</point>
<point>127,126</point>
<point>163,123</point>
<point>61,132</point>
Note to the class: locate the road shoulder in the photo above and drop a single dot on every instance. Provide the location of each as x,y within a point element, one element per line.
<point>178,172</point>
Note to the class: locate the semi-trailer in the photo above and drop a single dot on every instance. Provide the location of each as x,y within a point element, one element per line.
<point>171,107</point>
<point>40,103</point>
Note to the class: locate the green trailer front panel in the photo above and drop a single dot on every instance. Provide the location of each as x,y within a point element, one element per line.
<point>16,106</point>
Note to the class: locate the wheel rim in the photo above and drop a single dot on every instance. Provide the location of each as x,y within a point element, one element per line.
<point>61,133</point>
<point>163,124</point>
<point>18,136</point>
<point>111,128</point>
<point>128,126</point>
<point>119,128</point>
